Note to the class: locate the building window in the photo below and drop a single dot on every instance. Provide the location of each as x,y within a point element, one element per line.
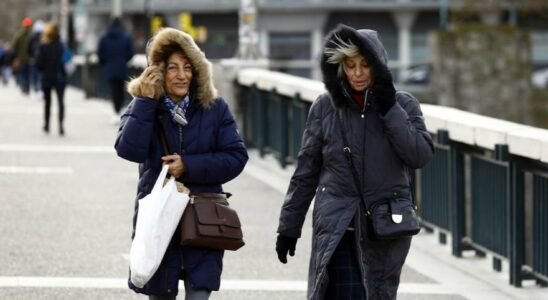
<point>286,48</point>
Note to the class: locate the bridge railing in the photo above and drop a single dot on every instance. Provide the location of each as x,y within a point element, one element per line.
<point>486,187</point>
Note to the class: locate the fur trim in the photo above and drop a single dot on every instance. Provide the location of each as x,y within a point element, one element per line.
<point>206,93</point>
<point>369,46</point>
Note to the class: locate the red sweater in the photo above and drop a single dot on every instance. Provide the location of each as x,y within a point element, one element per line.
<point>359,97</point>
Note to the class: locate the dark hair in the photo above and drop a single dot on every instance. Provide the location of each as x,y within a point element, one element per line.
<point>169,49</point>
<point>116,22</point>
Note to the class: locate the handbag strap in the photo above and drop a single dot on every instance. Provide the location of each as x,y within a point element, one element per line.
<point>348,155</point>
<point>163,138</point>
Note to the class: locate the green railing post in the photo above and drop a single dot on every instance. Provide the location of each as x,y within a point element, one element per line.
<point>442,138</point>
<point>503,154</point>
<point>259,120</point>
<point>456,175</point>
<point>298,122</point>
<point>516,230</point>
<point>279,127</point>
<point>243,98</point>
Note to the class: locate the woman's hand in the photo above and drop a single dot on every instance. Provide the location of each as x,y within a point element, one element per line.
<point>383,92</point>
<point>176,165</point>
<point>152,81</point>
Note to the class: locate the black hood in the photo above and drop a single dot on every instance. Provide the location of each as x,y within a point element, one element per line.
<point>369,45</point>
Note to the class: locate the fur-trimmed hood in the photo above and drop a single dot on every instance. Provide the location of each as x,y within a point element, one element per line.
<point>369,45</point>
<point>201,88</point>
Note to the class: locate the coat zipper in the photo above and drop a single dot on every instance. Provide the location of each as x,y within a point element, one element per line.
<point>180,139</point>
<point>365,103</point>
<point>364,139</point>
<point>358,232</point>
<point>359,249</point>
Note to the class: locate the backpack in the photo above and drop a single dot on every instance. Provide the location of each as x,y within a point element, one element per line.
<point>66,60</point>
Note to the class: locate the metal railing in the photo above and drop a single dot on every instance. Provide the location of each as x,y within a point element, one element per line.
<point>486,187</point>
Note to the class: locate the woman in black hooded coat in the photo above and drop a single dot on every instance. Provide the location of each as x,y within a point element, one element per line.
<point>386,133</point>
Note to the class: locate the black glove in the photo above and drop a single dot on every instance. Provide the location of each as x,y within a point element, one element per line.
<point>383,93</point>
<point>285,244</point>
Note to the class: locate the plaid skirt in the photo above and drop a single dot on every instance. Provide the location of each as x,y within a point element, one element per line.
<point>345,280</point>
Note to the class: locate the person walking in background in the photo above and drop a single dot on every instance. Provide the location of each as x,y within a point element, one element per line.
<point>3,54</point>
<point>175,94</point>
<point>386,136</point>
<point>21,65</point>
<point>115,49</point>
<point>35,76</point>
<point>50,63</point>
<point>5,64</point>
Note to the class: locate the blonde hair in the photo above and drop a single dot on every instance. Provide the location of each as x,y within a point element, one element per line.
<point>340,51</point>
<point>51,32</point>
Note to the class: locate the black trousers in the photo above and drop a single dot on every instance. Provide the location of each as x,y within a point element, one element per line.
<point>60,91</point>
<point>117,92</point>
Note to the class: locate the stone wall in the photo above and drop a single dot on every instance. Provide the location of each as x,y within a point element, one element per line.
<point>484,69</point>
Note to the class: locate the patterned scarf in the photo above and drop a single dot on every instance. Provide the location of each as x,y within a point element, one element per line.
<point>178,111</point>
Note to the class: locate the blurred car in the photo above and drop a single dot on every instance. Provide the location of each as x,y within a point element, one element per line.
<point>540,79</point>
<point>419,74</point>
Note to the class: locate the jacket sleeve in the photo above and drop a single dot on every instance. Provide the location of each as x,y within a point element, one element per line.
<point>304,181</point>
<point>407,132</point>
<point>136,130</point>
<point>226,162</point>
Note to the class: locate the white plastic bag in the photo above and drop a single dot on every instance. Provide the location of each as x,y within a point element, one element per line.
<point>158,217</point>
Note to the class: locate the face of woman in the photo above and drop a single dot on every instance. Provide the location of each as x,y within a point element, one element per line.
<point>178,76</point>
<point>358,73</point>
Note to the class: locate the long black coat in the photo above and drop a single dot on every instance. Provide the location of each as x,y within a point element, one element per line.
<point>383,150</point>
<point>49,61</point>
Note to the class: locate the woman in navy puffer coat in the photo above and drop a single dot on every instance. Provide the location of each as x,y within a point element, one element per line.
<point>207,151</point>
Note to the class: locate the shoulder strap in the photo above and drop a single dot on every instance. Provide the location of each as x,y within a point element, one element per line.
<point>163,138</point>
<point>348,155</point>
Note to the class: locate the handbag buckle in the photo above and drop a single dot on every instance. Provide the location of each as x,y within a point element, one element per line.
<point>397,218</point>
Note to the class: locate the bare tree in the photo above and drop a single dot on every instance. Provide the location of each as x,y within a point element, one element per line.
<point>12,12</point>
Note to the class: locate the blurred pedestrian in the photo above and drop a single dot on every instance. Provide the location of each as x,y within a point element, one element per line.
<point>35,74</point>
<point>175,94</point>
<point>386,137</point>
<point>5,64</point>
<point>3,51</point>
<point>50,63</point>
<point>115,50</point>
<point>21,65</point>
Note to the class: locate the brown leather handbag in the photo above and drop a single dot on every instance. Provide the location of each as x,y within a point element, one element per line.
<point>208,221</point>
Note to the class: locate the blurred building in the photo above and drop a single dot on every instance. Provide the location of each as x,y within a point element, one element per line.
<point>290,32</point>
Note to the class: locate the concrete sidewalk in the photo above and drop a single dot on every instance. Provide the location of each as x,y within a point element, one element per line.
<point>95,223</point>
